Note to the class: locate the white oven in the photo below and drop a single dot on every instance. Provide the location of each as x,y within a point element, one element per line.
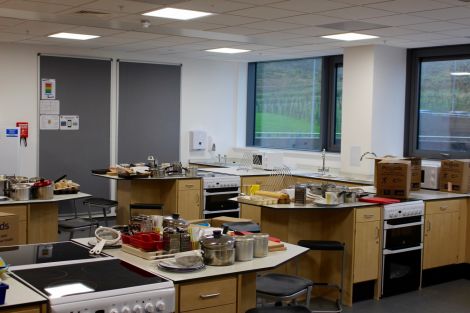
<point>218,189</point>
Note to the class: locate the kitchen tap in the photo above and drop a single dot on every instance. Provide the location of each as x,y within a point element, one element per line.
<point>367,153</point>
<point>323,169</point>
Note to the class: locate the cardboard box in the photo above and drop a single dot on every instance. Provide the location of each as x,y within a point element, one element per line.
<point>415,170</point>
<point>455,176</point>
<point>218,221</point>
<point>8,229</point>
<point>394,178</point>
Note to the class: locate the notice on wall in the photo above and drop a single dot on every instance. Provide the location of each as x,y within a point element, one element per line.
<point>69,122</point>
<point>49,107</point>
<point>49,122</point>
<point>47,88</point>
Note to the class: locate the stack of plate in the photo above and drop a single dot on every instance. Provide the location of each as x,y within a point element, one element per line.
<point>170,265</point>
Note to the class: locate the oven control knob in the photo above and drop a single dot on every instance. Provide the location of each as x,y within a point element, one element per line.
<point>138,309</point>
<point>149,308</point>
<point>125,309</point>
<point>114,310</point>
<point>160,305</point>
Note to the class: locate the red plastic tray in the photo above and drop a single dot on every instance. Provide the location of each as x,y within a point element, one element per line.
<point>379,200</point>
<point>148,241</point>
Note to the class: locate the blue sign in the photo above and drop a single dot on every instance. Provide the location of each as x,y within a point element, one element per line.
<point>12,132</point>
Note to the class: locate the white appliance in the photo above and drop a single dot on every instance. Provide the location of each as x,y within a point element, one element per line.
<point>218,189</point>
<point>198,139</point>
<point>430,176</point>
<point>267,160</point>
<point>10,150</point>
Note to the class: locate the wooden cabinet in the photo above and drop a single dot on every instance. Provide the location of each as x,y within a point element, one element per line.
<point>214,295</point>
<point>189,199</point>
<point>441,233</point>
<point>39,308</point>
<point>252,212</point>
<point>21,212</point>
<point>366,244</point>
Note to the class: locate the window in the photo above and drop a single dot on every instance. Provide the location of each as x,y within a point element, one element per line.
<point>288,104</point>
<point>439,102</point>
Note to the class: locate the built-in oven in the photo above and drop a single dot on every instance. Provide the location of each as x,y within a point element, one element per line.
<point>402,247</point>
<point>218,189</point>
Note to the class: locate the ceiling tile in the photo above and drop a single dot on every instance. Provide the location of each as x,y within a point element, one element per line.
<point>463,32</point>
<point>5,21</point>
<point>446,14</point>
<point>33,6</point>
<point>37,28</point>
<point>452,2</point>
<point>359,2</point>
<point>390,31</point>
<point>272,25</point>
<point>257,2</point>
<point>95,31</point>
<point>238,30</point>
<point>81,12</point>
<point>312,31</point>
<point>357,13</point>
<point>253,47</point>
<point>463,21</point>
<point>276,36</point>
<point>399,20</point>
<point>65,2</point>
<point>435,26</point>
<point>309,40</point>
<point>192,25</point>
<point>182,39</point>
<point>143,45</point>
<point>407,6</point>
<point>452,41</point>
<point>214,6</point>
<point>137,20</point>
<point>311,19</point>
<point>121,6</point>
<point>424,37</point>
<point>137,35</point>
<point>309,6</point>
<point>265,13</point>
<point>228,20</point>
<point>7,37</point>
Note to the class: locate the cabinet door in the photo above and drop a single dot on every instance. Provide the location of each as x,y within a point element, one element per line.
<point>189,204</point>
<point>366,251</point>
<point>441,239</point>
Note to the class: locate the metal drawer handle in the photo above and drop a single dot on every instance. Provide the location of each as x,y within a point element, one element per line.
<point>443,208</point>
<point>429,226</point>
<point>368,216</point>
<point>189,185</point>
<point>211,295</point>
<point>377,234</point>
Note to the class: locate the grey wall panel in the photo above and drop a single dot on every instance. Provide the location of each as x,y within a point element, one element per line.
<point>149,112</point>
<point>83,88</point>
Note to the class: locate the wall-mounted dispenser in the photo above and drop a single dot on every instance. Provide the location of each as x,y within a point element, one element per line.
<point>197,140</point>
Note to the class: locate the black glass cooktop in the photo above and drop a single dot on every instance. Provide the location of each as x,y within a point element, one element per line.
<point>44,253</point>
<point>88,276</point>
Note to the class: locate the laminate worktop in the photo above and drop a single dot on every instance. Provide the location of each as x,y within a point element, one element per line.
<point>56,198</point>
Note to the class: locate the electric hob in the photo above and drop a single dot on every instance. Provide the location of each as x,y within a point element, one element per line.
<point>100,285</point>
<point>41,255</point>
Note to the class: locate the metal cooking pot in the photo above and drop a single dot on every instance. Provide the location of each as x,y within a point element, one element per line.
<point>42,190</point>
<point>218,249</point>
<point>21,192</point>
<point>4,186</point>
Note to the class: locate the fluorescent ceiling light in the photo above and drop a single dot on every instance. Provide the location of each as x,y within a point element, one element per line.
<point>228,50</point>
<point>350,36</point>
<point>177,14</point>
<point>73,36</point>
<point>460,74</point>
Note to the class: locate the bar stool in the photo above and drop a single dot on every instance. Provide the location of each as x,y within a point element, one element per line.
<point>152,207</point>
<point>282,287</point>
<point>77,223</point>
<point>280,309</point>
<point>328,245</point>
<point>102,203</point>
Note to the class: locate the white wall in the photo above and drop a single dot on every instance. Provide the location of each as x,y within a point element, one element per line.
<point>210,96</point>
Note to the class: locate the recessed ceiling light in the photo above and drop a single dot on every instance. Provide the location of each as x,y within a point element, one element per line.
<point>73,36</point>
<point>350,36</point>
<point>228,50</point>
<point>177,14</point>
<point>460,74</point>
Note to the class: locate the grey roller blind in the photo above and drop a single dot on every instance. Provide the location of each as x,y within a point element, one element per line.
<point>149,112</point>
<point>83,89</point>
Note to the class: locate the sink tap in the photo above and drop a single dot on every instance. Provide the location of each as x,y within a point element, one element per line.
<point>323,169</point>
<point>367,153</point>
<point>218,157</point>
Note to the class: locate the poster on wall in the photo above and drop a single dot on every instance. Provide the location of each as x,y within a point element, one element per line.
<point>49,122</point>
<point>47,88</point>
<point>49,107</point>
<point>69,122</point>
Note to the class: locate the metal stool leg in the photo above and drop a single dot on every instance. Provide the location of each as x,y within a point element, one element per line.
<point>105,217</point>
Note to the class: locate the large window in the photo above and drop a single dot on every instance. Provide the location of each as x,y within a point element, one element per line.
<point>288,104</point>
<point>439,102</point>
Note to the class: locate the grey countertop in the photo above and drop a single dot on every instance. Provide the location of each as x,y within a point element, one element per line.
<point>56,198</point>
<point>172,177</point>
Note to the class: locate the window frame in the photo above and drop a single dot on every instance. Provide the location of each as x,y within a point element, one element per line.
<point>327,105</point>
<point>413,76</point>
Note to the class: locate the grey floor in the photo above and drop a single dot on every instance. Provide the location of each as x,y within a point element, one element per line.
<point>451,297</point>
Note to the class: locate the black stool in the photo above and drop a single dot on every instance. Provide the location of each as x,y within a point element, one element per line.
<point>78,223</point>
<point>280,309</point>
<point>102,203</point>
<point>146,206</point>
<point>282,287</point>
<point>327,245</point>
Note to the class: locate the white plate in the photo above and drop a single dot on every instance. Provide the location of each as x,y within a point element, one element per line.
<point>324,204</point>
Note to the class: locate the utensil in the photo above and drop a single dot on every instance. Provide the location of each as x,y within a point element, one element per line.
<point>21,192</point>
<point>105,236</point>
<point>244,248</point>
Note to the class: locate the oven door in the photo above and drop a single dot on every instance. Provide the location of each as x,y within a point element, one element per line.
<point>402,233</point>
<point>217,199</point>
<point>401,271</point>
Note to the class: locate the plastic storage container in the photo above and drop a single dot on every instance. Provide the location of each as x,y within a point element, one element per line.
<point>3,292</point>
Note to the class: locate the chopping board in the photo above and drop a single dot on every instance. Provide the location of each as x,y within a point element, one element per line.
<point>148,255</point>
<point>275,246</point>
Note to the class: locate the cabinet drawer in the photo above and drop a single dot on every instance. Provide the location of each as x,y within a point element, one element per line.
<point>19,210</point>
<point>367,214</point>
<point>256,180</point>
<point>228,308</point>
<point>208,294</point>
<point>434,207</point>
<point>189,184</point>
